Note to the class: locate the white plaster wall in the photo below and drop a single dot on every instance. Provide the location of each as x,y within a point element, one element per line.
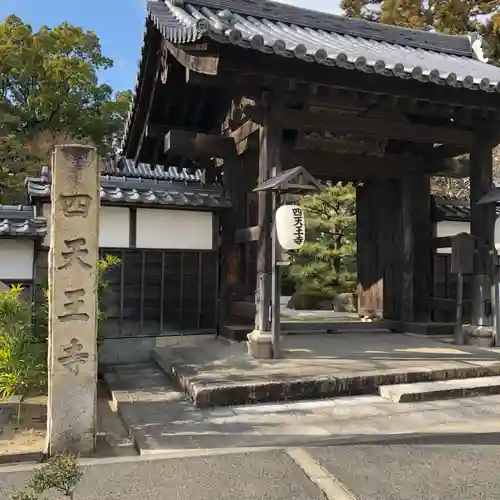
<point>16,259</point>
<point>450,228</point>
<point>174,229</point>
<point>114,226</point>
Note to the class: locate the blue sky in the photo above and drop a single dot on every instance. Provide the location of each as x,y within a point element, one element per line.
<point>118,23</point>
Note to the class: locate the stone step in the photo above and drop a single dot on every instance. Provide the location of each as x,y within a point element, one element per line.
<point>239,332</point>
<point>197,372</point>
<point>146,401</point>
<point>236,332</point>
<point>445,389</point>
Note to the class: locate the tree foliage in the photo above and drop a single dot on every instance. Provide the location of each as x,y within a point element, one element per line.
<point>327,261</point>
<point>49,86</point>
<point>454,17</point>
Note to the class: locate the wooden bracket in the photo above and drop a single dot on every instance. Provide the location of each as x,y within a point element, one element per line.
<point>197,61</point>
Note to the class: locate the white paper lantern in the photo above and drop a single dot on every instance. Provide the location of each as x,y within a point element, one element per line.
<point>290,227</point>
<point>496,234</point>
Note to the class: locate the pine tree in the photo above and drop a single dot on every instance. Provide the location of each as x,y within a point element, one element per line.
<point>327,261</point>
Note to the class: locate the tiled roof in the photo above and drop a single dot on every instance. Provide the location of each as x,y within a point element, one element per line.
<point>122,182</point>
<point>452,210</point>
<point>21,221</point>
<point>330,40</point>
<point>327,39</point>
<point>124,167</point>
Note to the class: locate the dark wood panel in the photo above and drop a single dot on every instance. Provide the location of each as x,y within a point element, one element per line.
<point>155,293</point>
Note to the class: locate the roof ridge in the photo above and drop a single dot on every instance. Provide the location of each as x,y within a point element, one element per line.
<point>360,28</point>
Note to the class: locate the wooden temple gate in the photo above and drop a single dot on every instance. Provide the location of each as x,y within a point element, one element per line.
<point>248,89</point>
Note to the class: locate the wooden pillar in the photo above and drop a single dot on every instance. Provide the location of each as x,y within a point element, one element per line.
<point>270,138</point>
<point>416,234</point>
<point>407,250</point>
<point>370,271</point>
<point>394,236</point>
<point>423,233</point>
<point>379,245</point>
<point>482,224</point>
<point>229,269</point>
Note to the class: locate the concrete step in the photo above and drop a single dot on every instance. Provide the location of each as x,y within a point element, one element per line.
<point>445,389</point>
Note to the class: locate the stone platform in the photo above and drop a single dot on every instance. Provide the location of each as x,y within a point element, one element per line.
<point>220,373</point>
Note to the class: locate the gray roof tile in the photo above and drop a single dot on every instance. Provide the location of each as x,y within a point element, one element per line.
<point>444,209</point>
<point>130,188</point>
<point>21,221</point>
<point>330,40</point>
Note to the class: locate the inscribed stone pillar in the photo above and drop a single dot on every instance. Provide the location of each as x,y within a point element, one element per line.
<point>74,245</point>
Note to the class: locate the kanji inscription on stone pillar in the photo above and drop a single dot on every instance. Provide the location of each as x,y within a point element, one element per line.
<point>74,253</point>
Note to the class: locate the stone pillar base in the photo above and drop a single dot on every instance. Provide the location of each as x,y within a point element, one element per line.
<point>481,336</point>
<point>260,345</point>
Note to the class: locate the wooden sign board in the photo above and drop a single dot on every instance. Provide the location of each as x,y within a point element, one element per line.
<point>462,254</point>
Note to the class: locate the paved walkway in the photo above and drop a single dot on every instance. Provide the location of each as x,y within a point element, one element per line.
<point>163,422</point>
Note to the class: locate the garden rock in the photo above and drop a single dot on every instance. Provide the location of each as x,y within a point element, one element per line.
<point>344,302</point>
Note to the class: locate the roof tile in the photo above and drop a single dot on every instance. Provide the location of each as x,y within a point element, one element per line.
<point>334,41</point>
<point>21,221</point>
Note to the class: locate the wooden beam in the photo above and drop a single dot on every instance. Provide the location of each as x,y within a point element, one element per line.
<point>195,60</point>
<point>193,144</point>
<point>305,120</point>
<point>247,129</point>
<point>447,151</point>
<point>247,234</point>
<point>245,136</point>
<point>325,164</point>
<point>148,112</point>
<point>143,99</point>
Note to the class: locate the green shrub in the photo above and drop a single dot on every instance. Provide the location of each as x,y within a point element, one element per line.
<point>61,473</point>
<point>103,266</point>
<point>311,298</point>
<point>13,308</point>
<point>24,335</point>
<point>22,359</point>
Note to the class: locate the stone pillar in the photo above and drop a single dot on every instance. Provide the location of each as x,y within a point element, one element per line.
<point>74,252</point>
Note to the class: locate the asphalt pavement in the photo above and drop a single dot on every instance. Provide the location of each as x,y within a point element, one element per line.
<point>416,471</point>
<point>455,467</point>
<point>270,475</point>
